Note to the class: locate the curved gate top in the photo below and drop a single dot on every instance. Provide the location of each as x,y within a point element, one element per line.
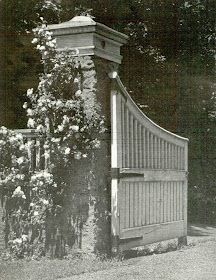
<point>149,176</point>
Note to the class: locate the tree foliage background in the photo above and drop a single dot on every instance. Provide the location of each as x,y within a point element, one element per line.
<point>168,68</point>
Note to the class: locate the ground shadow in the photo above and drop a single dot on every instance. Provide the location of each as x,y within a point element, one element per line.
<point>201,230</point>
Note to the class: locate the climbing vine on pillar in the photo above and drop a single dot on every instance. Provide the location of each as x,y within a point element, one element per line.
<point>64,111</point>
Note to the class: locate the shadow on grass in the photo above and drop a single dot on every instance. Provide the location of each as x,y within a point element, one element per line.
<point>201,230</point>
<point>148,250</point>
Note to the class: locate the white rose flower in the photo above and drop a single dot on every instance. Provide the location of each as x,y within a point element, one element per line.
<point>18,240</point>
<point>20,160</point>
<point>31,122</point>
<point>78,93</point>
<point>42,48</point>
<point>36,213</point>
<point>46,155</point>
<point>19,136</point>
<point>34,41</point>
<point>60,128</point>
<point>25,105</point>
<point>29,92</point>
<point>22,147</point>
<point>40,127</point>
<point>65,119</point>
<point>29,112</point>
<point>75,128</point>
<point>59,103</point>
<point>25,237</point>
<point>67,151</point>
<point>77,155</point>
<point>97,144</point>
<point>45,202</point>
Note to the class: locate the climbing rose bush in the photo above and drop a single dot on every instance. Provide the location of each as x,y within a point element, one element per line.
<point>64,105</point>
<point>66,116</point>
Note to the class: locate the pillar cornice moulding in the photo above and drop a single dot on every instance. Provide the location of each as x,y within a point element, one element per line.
<point>89,37</point>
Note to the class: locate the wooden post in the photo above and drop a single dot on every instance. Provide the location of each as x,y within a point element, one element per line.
<point>115,163</point>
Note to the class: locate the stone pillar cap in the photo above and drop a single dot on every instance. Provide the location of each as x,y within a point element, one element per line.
<point>90,37</point>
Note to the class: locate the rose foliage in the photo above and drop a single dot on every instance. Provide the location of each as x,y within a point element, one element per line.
<point>66,118</point>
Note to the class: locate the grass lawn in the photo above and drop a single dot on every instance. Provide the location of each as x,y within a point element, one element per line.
<point>51,269</point>
<point>46,269</point>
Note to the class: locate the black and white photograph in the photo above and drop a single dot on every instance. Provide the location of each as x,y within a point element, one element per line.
<point>108,139</point>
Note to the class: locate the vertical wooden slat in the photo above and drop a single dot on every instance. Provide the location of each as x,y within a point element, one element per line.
<point>144,147</point>
<point>165,201</point>
<point>131,130</point>
<point>185,189</point>
<point>33,153</point>
<point>136,203</point>
<point>147,149</point>
<point>159,153</point>
<point>152,203</point>
<point>168,201</point>
<point>140,147</point>
<point>158,202</point>
<point>115,110</point>
<point>162,154</point>
<point>29,152</point>
<point>123,132</point>
<point>179,158</point>
<point>127,121</point>
<point>155,152</point>
<point>38,154</point>
<point>176,157</point>
<point>177,201</point>
<point>180,201</point>
<point>155,202</point>
<point>127,205</point>
<point>131,205</point>
<point>165,155</point>
<point>143,195</point>
<point>151,149</point>
<point>174,201</point>
<point>162,203</point>
<point>173,156</point>
<point>141,204</point>
<point>147,203</point>
<point>136,160</point>
<point>121,205</point>
<point>169,156</point>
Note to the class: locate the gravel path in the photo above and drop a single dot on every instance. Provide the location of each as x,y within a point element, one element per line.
<point>191,263</point>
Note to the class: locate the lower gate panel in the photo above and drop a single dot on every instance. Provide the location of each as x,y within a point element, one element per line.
<point>151,211</point>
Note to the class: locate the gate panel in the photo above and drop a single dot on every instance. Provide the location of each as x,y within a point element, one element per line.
<point>151,179</point>
<point>142,203</point>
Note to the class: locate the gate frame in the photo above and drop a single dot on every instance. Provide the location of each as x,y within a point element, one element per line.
<point>117,90</point>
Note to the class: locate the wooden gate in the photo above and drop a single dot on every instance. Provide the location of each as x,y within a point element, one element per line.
<point>149,176</point>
